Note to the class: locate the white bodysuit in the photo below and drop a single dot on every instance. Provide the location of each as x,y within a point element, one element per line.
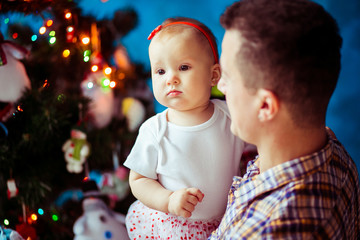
<point>206,156</point>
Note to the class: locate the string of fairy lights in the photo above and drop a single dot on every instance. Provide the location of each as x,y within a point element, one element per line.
<point>90,45</point>
<point>33,217</point>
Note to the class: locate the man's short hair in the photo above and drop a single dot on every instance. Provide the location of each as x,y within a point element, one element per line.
<point>291,47</point>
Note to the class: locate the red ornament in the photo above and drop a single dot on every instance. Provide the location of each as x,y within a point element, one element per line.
<point>70,34</point>
<point>26,231</point>
<point>12,189</point>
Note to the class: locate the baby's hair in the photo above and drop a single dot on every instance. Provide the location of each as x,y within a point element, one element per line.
<point>202,31</point>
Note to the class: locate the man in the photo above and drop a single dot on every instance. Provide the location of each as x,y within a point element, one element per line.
<point>280,64</point>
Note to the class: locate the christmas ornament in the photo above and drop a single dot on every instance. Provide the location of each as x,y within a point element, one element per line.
<point>70,34</point>
<point>99,222</point>
<point>134,112</point>
<point>97,59</point>
<point>12,189</point>
<point>113,184</point>
<point>121,58</point>
<point>14,80</point>
<point>102,99</point>
<point>76,149</point>
<point>26,231</point>
<point>9,234</point>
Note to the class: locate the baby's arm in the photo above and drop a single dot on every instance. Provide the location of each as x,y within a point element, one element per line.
<point>152,194</point>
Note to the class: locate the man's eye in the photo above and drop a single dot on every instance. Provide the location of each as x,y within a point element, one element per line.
<point>160,71</point>
<point>184,67</point>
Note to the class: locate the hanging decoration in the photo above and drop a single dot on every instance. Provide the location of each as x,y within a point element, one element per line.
<point>134,112</point>
<point>99,222</point>
<point>76,150</point>
<point>12,189</point>
<point>14,80</point>
<point>96,87</point>
<point>27,231</point>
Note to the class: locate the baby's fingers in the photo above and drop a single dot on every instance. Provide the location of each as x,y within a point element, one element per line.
<point>184,213</point>
<point>196,193</point>
<point>191,199</point>
<point>189,207</point>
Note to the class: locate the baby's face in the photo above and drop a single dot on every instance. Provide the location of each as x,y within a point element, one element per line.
<point>181,69</point>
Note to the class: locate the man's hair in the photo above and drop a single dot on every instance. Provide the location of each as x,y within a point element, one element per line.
<point>291,47</point>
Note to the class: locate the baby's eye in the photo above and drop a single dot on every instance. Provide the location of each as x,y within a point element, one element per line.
<point>160,71</point>
<point>184,67</point>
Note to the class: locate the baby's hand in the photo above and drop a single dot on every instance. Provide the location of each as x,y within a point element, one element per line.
<point>182,202</point>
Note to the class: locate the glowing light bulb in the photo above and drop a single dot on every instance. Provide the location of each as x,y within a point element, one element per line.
<point>107,70</point>
<point>94,68</point>
<point>86,58</point>
<point>33,38</point>
<point>61,97</point>
<point>6,222</point>
<point>42,30</point>
<point>52,40</point>
<point>66,53</point>
<point>68,15</point>
<point>15,35</point>
<point>90,85</point>
<point>45,83</point>
<point>49,22</point>
<point>112,84</point>
<point>106,82</point>
<point>70,29</point>
<point>40,211</point>
<point>6,20</point>
<point>87,53</point>
<point>85,40</point>
<point>34,217</point>
<point>55,217</point>
<point>52,33</point>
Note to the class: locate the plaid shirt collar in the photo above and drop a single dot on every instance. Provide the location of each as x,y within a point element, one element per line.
<point>253,184</point>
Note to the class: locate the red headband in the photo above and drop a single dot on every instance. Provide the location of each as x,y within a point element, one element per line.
<point>158,28</point>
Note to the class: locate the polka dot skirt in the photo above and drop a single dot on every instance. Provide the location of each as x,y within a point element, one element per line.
<point>145,223</point>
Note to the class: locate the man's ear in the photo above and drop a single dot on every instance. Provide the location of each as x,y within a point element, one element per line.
<point>216,74</point>
<point>269,105</point>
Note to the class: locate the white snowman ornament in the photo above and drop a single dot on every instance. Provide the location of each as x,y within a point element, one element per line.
<point>102,99</point>
<point>76,150</point>
<point>99,222</point>
<point>13,77</point>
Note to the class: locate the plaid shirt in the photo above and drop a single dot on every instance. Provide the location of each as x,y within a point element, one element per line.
<point>312,197</point>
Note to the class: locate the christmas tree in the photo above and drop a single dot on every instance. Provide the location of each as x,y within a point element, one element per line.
<point>77,81</point>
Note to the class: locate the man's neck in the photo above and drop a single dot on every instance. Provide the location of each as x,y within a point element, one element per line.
<point>277,148</point>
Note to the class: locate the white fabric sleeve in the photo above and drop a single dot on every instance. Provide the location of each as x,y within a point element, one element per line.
<point>143,157</point>
<point>222,105</point>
